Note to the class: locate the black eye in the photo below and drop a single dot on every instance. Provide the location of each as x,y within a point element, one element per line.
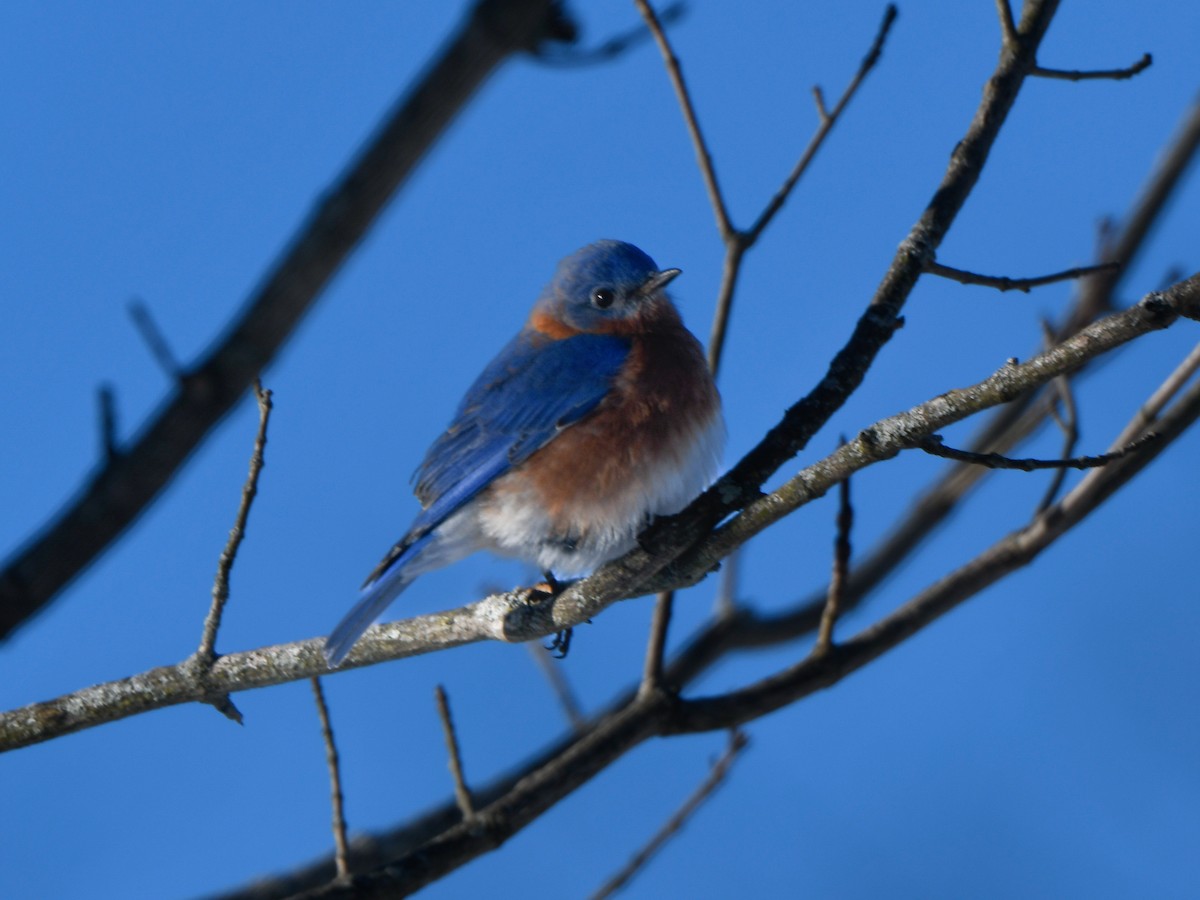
<point>603,297</point>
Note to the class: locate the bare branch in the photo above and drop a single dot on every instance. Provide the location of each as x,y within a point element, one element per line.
<point>827,123</point>
<point>1005,556</point>
<point>558,683</point>
<point>1003,283</point>
<point>1008,28</point>
<point>1169,167</point>
<point>511,616</point>
<point>155,339</point>
<point>1148,414</point>
<point>819,100</point>
<point>206,652</point>
<point>725,602</point>
<point>841,569</point>
<point>1008,425</point>
<point>1067,421</point>
<point>673,825</point>
<point>341,853</point>
<point>703,155</point>
<point>1085,75</point>
<point>462,794</point>
<point>906,430</point>
<point>659,625</point>
<point>615,46</point>
<point>656,714</point>
<point>934,447</point>
<point>741,484</point>
<point>738,242</point>
<point>115,495</point>
<point>106,400</point>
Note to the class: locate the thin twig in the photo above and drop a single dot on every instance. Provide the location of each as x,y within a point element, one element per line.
<point>1067,421</point>
<point>613,47</point>
<point>559,684</point>
<point>703,156</point>
<point>1003,283</point>
<point>220,591</point>
<point>1008,28</point>
<point>660,623</point>
<point>732,266</point>
<point>864,68</point>
<point>716,776</point>
<point>341,853</point>
<point>1092,486</point>
<point>462,794</point>
<point>738,242</point>
<point>841,569</point>
<point>106,399</point>
<point>934,447</point>
<point>1167,171</point>
<point>1149,411</point>
<point>155,339</point>
<point>819,100</point>
<point>206,654</point>
<point>725,603</point>
<point>1085,75</point>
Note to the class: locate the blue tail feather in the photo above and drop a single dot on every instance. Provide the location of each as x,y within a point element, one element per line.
<point>374,599</point>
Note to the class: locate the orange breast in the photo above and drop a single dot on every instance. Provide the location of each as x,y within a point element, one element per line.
<point>662,400</point>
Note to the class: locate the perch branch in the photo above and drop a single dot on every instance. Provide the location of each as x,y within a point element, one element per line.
<point>117,493</point>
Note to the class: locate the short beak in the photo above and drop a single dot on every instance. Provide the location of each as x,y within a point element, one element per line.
<point>659,280</point>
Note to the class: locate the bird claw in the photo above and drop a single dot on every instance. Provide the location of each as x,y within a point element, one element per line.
<point>560,646</point>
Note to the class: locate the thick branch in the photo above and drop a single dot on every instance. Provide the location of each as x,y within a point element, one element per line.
<point>125,485</point>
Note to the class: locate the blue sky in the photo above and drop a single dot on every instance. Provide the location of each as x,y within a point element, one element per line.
<point>1039,741</point>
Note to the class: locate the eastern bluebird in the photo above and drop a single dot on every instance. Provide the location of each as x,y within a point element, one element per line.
<point>599,415</point>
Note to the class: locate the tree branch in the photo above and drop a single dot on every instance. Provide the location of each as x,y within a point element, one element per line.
<point>341,853</point>
<point>1003,283</point>
<point>116,494</point>
<point>841,569</point>
<point>512,617</point>
<point>934,447</point>
<point>462,794</point>
<point>716,777</point>
<point>1086,75</point>
<point>658,714</point>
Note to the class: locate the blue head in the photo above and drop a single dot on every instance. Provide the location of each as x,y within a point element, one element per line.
<point>608,286</point>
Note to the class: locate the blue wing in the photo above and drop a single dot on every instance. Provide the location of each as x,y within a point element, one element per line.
<point>533,389</point>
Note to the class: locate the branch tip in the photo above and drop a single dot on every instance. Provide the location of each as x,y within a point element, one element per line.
<point>1095,74</point>
<point>341,845</point>
<point>462,794</point>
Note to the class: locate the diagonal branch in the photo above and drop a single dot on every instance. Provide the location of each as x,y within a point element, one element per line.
<point>703,155</point>
<point>657,714</point>
<point>673,825</point>
<point>123,486</point>
<point>513,617</point>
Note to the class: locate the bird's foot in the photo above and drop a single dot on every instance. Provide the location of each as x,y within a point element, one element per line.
<point>560,646</point>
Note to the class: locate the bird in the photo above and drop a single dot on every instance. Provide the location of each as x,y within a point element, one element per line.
<point>600,414</point>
